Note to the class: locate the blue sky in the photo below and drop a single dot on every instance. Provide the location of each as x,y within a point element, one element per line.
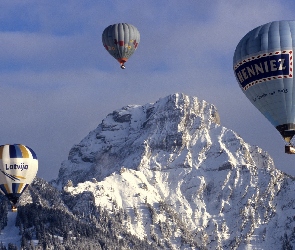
<point>57,82</point>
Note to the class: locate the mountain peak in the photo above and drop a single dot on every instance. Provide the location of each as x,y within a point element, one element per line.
<point>127,136</point>
<point>175,131</point>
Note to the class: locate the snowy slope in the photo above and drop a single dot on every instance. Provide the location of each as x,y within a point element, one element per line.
<point>183,180</point>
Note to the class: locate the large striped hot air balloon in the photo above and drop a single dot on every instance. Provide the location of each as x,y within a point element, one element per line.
<point>18,168</point>
<point>263,65</point>
<point>121,40</point>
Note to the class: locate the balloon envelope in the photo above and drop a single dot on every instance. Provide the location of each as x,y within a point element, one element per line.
<point>263,65</point>
<point>18,168</point>
<point>121,40</point>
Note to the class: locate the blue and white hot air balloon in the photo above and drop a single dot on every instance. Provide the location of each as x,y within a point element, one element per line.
<point>18,168</point>
<point>263,65</point>
<point>121,40</point>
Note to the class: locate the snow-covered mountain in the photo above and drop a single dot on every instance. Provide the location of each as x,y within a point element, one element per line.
<point>167,175</point>
<point>173,156</point>
<point>172,133</point>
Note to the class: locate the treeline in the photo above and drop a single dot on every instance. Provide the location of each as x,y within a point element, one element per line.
<point>55,229</point>
<point>3,212</point>
<point>58,220</point>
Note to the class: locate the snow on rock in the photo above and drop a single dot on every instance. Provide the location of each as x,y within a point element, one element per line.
<point>152,135</point>
<point>171,163</point>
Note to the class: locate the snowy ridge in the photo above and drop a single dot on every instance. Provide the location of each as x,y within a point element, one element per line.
<point>183,180</point>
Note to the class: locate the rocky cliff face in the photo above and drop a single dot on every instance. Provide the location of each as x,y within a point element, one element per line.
<point>182,180</point>
<point>152,136</point>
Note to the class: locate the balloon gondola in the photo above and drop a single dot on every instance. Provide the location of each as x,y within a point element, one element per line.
<point>263,66</point>
<point>121,40</point>
<point>289,149</point>
<point>18,168</point>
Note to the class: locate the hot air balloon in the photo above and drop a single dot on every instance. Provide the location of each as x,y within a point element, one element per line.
<point>263,66</point>
<point>121,40</point>
<point>18,168</point>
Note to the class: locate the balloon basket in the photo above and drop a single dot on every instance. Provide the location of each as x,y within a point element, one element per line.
<point>13,208</point>
<point>289,149</point>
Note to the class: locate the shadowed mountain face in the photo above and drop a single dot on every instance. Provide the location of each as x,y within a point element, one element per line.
<point>179,179</point>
